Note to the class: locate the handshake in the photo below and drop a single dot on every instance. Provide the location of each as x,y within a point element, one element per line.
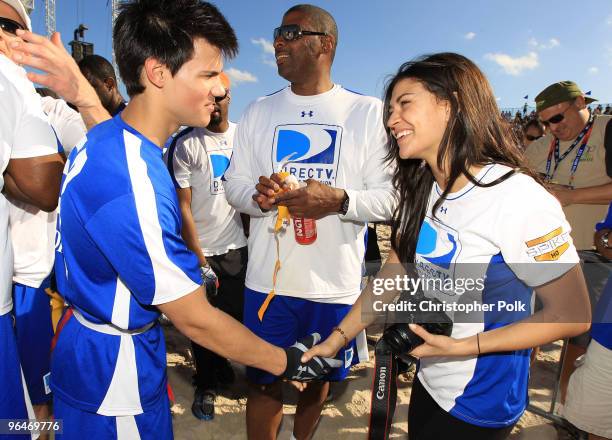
<point>313,369</point>
<point>296,370</point>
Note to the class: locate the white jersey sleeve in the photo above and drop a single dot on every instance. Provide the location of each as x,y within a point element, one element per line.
<point>66,122</point>
<point>239,179</point>
<point>24,127</point>
<point>377,200</point>
<point>183,161</point>
<point>534,236</point>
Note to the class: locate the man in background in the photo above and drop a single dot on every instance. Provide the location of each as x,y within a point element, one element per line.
<point>575,160</point>
<point>31,170</point>
<point>101,75</point>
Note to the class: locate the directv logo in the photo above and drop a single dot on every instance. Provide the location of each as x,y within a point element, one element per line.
<point>219,164</point>
<point>313,150</point>
<point>437,246</point>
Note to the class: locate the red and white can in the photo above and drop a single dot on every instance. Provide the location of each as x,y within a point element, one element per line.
<point>305,230</point>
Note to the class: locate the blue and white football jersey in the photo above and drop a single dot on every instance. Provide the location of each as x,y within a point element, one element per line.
<point>120,253</point>
<point>507,239</point>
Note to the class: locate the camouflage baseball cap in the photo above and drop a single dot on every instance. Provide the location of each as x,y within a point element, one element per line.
<point>559,92</point>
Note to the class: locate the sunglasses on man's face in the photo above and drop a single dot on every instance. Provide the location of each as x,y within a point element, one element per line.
<point>290,32</point>
<point>556,118</point>
<point>221,98</point>
<point>532,138</point>
<point>10,26</point>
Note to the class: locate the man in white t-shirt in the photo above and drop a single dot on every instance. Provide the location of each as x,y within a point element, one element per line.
<point>336,143</point>
<point>33,240</point>
<point>31,173</point>
<point>213,230</point>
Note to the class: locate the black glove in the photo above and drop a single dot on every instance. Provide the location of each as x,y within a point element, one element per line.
<point>314,369</point>
<point>211,282</point>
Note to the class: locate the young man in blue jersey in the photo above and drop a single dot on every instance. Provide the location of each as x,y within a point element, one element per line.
<point>121,259</point>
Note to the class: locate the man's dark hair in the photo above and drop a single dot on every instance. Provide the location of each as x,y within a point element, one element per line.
<point>320,19</point>
<point>98,67</point>
<point>165,30</point>
<point>43,91</point>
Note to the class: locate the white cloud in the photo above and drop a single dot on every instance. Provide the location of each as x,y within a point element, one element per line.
<point>514,66</point>
<point>609,20</point>
<point>469,36</point>
<point>265,45</point>
<point>593,70</point>
<point>550,44</point>
<point>240,76</point>
<point>267,56</point>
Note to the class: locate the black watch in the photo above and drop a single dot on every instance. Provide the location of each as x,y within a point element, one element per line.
<point>345,204</point>
<point>604,240</point>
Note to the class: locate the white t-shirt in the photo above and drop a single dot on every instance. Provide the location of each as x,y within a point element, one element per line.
<point>198,158</point>
<point>508,238</point>
<point>67,123</point>
<point>33,230</point>
<point>338,138</point>
<point>24,132</point>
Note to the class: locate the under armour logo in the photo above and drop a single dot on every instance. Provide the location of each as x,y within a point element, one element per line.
<point>310,113</point>
<point>304,372</point>
<point>443,209</point>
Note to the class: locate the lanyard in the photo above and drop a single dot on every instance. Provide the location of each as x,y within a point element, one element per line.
<point>584,136</point>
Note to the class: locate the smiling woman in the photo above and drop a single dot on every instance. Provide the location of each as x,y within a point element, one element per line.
<point>462,192</point>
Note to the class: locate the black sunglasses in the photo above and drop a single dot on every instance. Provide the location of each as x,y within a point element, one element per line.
<point>556,118</point>
<point>532,138</point>
<point>9,26</point>
<point>221,98</point>
<point>290,32</point>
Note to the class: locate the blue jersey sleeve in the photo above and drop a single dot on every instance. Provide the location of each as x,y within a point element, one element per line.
<point>142,241</point>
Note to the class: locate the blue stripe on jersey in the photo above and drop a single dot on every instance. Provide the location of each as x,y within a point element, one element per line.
<point>353,91</point>
<point>171,150</point>
<point>601,329</point>
<point>496,395</point>
<point>278,91</point>
<point>461,193</point>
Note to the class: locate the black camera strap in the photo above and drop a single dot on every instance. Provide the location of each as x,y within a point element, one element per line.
<point>384,392</point>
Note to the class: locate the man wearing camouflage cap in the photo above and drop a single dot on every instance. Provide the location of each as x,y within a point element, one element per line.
<point>572,157</point>
<point>575,159</point>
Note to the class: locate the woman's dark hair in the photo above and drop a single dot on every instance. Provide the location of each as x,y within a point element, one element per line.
<point>166,29</point>
<point>475,135</point>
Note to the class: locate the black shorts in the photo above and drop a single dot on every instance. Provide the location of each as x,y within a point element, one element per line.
<point>427,421</point>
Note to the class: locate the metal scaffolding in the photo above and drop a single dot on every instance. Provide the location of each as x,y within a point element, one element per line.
<point>29,5</point>
<point>114,13</point>
<point>50,16</point>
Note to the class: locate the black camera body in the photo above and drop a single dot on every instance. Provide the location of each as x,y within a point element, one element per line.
<point>401,340</point>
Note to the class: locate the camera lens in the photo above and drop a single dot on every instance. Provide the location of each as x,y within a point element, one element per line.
<point>401,339</point>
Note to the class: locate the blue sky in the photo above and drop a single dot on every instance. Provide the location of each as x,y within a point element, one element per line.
<point>521,45</point>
